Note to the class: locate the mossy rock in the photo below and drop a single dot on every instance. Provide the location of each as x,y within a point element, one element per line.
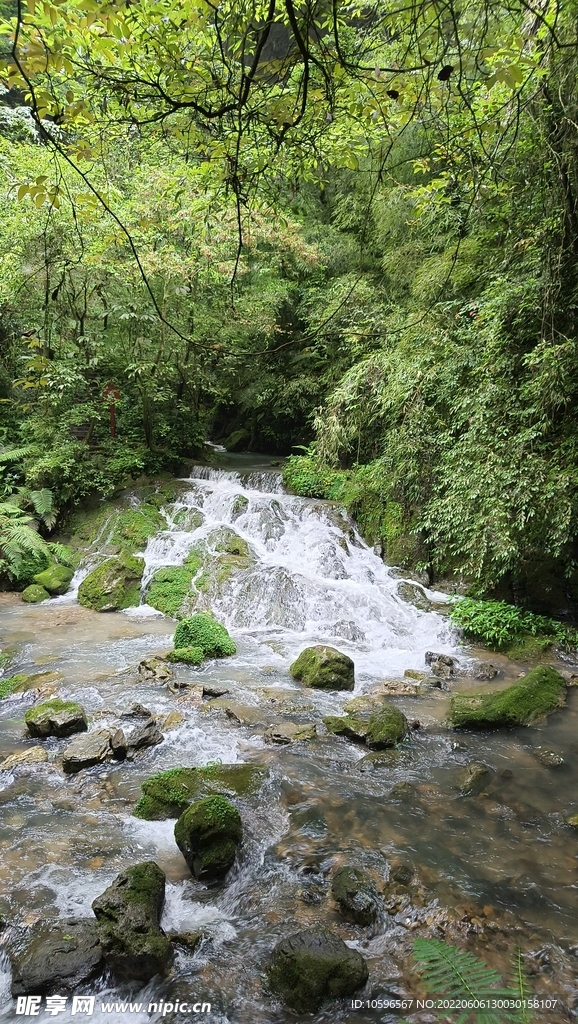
<point>187,655</point>
<point>238,441</point>
<point>386,728</point>
<point>117,528</point>
<point>128,915</point>
<point>56,579</point>
<point>169,793</point>
<point>324,668</point>
<point>413,594</point>
<point>347,725</point>
<point>474,778</point>
<point>188,519</point>
<point>208,834</point>
<point>114,584</point>
<point>355,892</point>
<point>311,966</point>
<point>13,684</point>
<point>535,696</point>
<point>226,540</point>
<point>56,718</point>
<point>34,594</point>
<point>205,632</point>
<point>239,506</point>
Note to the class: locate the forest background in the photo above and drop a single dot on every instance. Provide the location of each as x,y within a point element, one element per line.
<point>343,231</point>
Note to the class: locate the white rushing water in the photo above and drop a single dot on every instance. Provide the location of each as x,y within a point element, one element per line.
<point>311,579</point>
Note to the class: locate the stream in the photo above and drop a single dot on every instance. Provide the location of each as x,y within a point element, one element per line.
<point>496,871</point>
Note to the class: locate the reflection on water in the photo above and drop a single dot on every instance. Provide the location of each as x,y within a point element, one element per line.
<point>496,870</point>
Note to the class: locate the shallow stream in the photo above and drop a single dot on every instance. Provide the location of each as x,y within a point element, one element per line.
<point>498,870</point>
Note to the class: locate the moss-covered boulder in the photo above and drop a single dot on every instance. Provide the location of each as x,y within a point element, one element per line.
<point>355,893</point>
<point>114,584</point>
<point>168,794</point>
<point>386,727</point>
<point>56,718</point>
<point>535,696</point>
<point>352,727</point>
<point>205,632</point>
<point>170,586</point>
<point>187,655</point>
<point>114,527</point>
<point>34,594</point>
<point>208,834</point>
<point>311,966</point>
<point>188,519</point>
<point>324,668</point>
<point>128,915</point>
<point>56,579</point>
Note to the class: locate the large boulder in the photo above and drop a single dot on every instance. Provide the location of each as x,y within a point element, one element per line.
<point>115,583</point>
<point>56,718</point>
<point>86,751</point>
<point>355,892</point>
<point>169,793</point>
<point>128,915</point>
<point>311,966</point>
<point>57,956</point>
<point>535,696</point>
<point>34,594</point>
<point>386,727</point>
<point>56,579</point>
<point>204,632</point>
<point>208,834</point>
<point>324,668</point>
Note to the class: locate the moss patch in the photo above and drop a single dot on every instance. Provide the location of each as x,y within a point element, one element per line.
<point>170,586</point>
<point>187,655</point>
<point>538,694</point>
<point>347,725</point>
<point>205,632</point>
<point>34,594</point>
<point>386,728</point>
<point>167,794</point>
<point>207,835</point>
<point>324,668</point>
<point>12,684</point>
<point>115,583</point>
<point>56,579</point>
<point>116,528</point>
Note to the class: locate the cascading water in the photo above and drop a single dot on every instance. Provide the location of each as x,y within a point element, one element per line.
<point>283,573</point>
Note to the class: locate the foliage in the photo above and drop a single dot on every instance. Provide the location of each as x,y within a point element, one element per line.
<point>499,624</point>
<point>11,684</point>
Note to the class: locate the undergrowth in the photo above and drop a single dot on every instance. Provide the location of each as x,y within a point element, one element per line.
<point>499,625</point>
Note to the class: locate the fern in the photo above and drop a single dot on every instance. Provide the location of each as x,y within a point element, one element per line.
<point>459,976</point>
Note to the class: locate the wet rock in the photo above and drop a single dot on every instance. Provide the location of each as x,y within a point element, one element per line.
<point>364,704</point>
<point>172,720</point>
<point>115,583</point>
<point>375,761</point>
<point>190,940</point>
<point>140,735</point>
<point>56,579</point>
<point>355,892</point>
<point>403,791</point>
<point>155,670</point>
<point>401,872</point>
<point>239,506</point>
<point>86,751</point>
<point>414,673</point>
<point>403,687</point>
<point>56,718</point>
<point>290,732</point>
<point>572,820</point>
<point>208,834</point>
<point>414,594</point>
<point>386,728</point>
<point>352,727</point>
<point>473,778</point>
<point>188,519</point>
<point>34,755</point>
<point>348,630</point>
<point>58,956</point>
<point>167,794</point>
<point>484,671</point>
<point>324,668</point>
<point>536,695</point>
<point>128,915</point>
<point>34,594</point>
<point>239,713</point>
<point>311,966</point>
<point>441,665</point>
<point>550,758</point>
<point>214,690</point>
<point>118,745</point>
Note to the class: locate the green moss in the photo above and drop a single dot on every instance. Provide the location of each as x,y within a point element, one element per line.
<point>187,655</point>
<point>56,579</point>
<point>386,728</point>
<point>167,794</point>
<point>34,593</point>
<point>324,668</point>
<point>115,583</point>
<point>12,684</point>
<point>188,519</point>
<point>29,567</point>
<point>207,834</point>
<point>133,527</point>
<point>56,706</point>
<point>115,527</point>
<point>227,541</point>
<point>347,725</point>
<point>538,694</point>
<point>170,586</point>
<point>205,632</point>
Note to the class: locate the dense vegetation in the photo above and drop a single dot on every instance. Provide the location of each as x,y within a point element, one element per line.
<point>336,226</point>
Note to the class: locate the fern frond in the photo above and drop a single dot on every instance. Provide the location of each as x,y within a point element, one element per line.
<point>42,501</point>
<point>16,454</point>
<point>458,975</point>
<point>61,553</point>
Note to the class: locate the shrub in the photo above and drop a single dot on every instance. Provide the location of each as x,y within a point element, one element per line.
<point>499,624</point>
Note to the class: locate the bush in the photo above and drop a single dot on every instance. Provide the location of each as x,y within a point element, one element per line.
<point>498,624</point>
<point>205,632</point>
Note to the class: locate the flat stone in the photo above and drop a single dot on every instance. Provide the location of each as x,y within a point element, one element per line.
<point>290,732</point>
<point>400,687</point>
<point>86,751</point>
<point>34,755</point>
<point>56,957</point>
<point>56,718</point>
<point>362,704</point>
<point>239,713</point>
<point>214,690</point>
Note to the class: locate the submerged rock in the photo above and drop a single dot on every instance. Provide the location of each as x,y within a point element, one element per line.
<point>324,668</point>
<point>128,915</point>
<point>57,956</point>
<point>290,732</point>
<point>34,755</point>
<point>347,725</point>
<point>403,791</point>
<point>114,584</point>
<point>208,834</point>
<point>473,778</point>
<point>386,728</point>
<point>535,696</point>
<point>56,579</point>
<point>572,820</point>
<point>311,966</point>
<point>86,751</point>
<point>34,594</point>
<point>56,718</point>
<point>355,892</point>
<point>484,671</point>
<point>167,794</point>
<point>550,758</point>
